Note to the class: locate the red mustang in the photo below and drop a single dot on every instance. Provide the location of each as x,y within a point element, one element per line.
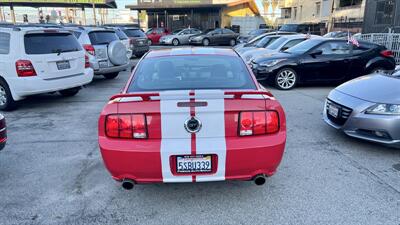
<point>192,115</point>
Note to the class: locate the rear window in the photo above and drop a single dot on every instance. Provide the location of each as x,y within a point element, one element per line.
<point>289,28</point>
<point>102,37</point>
<point>4,43</point>
<point>191,72</point>
<point>134,33</point>
<point>121,35</point>
<point>48,43</point>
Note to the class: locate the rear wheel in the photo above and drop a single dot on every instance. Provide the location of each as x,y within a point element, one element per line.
<point>6,100</point>
<point>232,42</point>
<point>70,92</point>
<point>206,42</point>
<point>286,79</point>
<point>111,75</point>
<point>175,42</point>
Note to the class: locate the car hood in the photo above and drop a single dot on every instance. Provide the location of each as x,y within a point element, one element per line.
<point>373,88</point>
<point>271,56</point>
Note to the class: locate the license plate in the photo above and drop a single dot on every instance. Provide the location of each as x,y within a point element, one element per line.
<point>333,111</point>
<point>193,164</point>
<point>63,65</point>
<point>103,64</point>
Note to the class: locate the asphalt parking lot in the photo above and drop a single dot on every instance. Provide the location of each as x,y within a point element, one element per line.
<point>51,172</point>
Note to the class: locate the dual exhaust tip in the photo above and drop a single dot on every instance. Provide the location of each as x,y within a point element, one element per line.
<point>128,184</point>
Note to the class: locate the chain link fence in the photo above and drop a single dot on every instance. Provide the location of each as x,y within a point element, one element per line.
<point>390,40</point>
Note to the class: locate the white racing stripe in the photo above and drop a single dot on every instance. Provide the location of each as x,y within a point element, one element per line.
<point>175,140</point>
<point>211,138</point>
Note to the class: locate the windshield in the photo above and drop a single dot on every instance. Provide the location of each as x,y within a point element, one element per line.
<point>49,43</point>
<point>289,28</point>
<point>176,31</point>
<point>277,43</point>
<point>135,33</point>
<point>208,31</point>
<point>191,72</point>
<point>303,46</point>
<point>266,41</point>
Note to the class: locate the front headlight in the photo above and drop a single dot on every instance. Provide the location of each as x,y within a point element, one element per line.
<point>384,109</point>
<point>271,62</point>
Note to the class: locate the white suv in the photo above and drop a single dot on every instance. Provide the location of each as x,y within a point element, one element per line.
<point>36,60</point>
<point>107,54</point>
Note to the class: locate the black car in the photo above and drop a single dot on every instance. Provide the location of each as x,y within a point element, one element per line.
<point>321,60</point>
<point>3,132</point>
<point>139,43</point>
<point>304,28</point>
<point>252,34</point>
<point>215,37</point>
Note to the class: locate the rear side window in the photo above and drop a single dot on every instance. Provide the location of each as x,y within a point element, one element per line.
<point>102,37</point>
<point>4,43</point>
<point>121,35</point>
<point>77,34</point>
<point>191,72</point>
<point>134,33</point>
<point>48,43</point>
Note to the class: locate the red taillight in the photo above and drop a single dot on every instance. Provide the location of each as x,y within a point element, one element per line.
<point>126,126</point>
<point>261,122</point>
<point>90,49</point>
<point>87,63</point>
<point>25,68</point>
<point>387,53</point>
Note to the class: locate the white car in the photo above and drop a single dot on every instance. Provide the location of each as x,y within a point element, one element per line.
<point>107,54</point>
<point>36,60</point>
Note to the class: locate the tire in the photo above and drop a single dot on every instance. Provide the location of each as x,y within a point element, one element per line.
<point>7,102</point>
<point>111,76</point>
<point>286,79</point>
<point>70,92</point>
<point>175,42</point>
<point>206,42</point>
<point>232,42</point>
<point>377,70</point>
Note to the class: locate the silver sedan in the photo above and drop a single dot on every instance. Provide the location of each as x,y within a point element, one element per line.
<point>367,108</point>
<point>180,37</point>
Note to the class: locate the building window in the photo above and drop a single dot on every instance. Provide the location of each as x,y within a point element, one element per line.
<point>384,12</point>
<point>287,13</point>
<point>345,3</point>
<point>317,8</point>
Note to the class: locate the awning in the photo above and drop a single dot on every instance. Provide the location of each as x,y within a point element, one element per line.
<point>60,3</point>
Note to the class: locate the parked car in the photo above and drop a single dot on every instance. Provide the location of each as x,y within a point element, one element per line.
<point>35,60</point>
<point>281,44</point>
<point>263,43</point>
<point>257,39</point>
<point>3,132</point>
<point>367,108</point>
<point>124,39</point>
<point>180,37</point>
<point>322,60</point>
<point>154,34</point>
<point>139,43</point>
<point>205,96</point>
<point>252,34</point>
<point>338,34</point>
<point>107,54</point>
<point>311,28</point>
<point>217,36</point>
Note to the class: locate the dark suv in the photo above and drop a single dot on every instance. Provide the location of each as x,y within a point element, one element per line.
<point>139,43</point>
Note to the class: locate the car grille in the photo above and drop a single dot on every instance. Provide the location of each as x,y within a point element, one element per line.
<point>344,112</point>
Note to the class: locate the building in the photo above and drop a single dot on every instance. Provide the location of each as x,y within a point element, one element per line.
<point>202,14</point>
<point>383,16</point>
<point>348,15</point>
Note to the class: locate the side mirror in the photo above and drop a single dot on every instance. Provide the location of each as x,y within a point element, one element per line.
<point>316,52</point>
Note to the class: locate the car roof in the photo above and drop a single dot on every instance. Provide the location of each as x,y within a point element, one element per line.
<point>191,51</point>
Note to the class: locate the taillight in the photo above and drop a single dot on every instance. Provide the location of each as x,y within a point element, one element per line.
<point>387,53</point>
<point>90,49</point>
<point>87,63</point>
<point>260,122</point>
<point>126,126</point>
<point>25,68</point>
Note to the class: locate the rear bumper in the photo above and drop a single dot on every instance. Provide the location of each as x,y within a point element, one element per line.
<point>141,160</point>
<point>113,69</point>
<point>22,87</point>
<point>140,49</point>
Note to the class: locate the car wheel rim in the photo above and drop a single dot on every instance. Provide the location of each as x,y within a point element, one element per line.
<point>206,42</point>
<point>175,42</point>
<point>3,96</point>
<point>286,79</point>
